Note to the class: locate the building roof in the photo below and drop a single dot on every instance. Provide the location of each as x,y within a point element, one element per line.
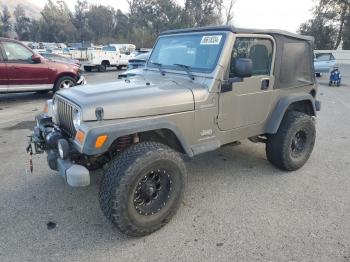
<point>238,31</point>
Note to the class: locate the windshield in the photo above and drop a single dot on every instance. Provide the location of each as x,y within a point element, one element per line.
<point>200,52</point>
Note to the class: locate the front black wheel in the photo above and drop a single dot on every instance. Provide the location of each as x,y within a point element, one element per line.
<point>142,188</point>
<point>292,145</point>
<point>64,82</point>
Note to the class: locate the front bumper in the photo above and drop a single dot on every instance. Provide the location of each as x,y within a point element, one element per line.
<point>81,80</point>
<point>74,175</point>
<point>45,138</point>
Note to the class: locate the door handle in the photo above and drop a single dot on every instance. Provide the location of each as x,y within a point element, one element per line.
<point>265,84</point>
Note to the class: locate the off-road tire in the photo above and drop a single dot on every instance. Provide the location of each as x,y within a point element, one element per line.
<point>280,147</point>
<point>62,79</point>
<point>122,178</point>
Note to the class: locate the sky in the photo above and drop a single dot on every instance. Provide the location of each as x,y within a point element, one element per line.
<point>261,14</point>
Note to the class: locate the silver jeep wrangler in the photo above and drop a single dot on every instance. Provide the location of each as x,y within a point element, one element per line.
<point>201,89</point>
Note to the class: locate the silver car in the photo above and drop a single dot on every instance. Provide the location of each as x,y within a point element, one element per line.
<point>323,63</point>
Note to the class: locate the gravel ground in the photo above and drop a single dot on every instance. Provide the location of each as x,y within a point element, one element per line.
<point>237,206</point>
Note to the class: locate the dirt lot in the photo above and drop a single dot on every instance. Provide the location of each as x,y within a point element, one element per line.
<point>237,206</point>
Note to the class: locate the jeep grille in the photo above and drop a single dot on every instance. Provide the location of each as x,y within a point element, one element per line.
<point>65,116</point>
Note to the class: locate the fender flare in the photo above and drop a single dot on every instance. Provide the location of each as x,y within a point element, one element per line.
<point>278,113</point>
<point>113,131</point>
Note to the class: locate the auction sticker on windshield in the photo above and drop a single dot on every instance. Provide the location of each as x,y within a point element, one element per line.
<point>211,40</point>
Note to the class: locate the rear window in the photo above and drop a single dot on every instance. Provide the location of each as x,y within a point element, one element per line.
<point>324,57</point>
<point>109,48</point>
<point>295,65</point>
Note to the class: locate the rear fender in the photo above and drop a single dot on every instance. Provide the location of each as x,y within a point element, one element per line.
<point>287,103</point>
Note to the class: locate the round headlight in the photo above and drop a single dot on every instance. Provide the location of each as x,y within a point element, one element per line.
<point>60,151</point>
<point>76,118</point>
<point>54,110</point>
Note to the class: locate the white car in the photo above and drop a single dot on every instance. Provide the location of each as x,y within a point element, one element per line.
<point>323,63</point>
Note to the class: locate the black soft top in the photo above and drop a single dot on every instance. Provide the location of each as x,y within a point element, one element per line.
<point>239,31</point>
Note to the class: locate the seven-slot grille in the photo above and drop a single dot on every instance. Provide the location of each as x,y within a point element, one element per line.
<point>65,116</point>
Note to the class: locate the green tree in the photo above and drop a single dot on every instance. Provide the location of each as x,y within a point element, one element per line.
<point>203,12</point>
<point>55,24</point>
<point>80,20</point>
<point>101,20</point>
<point>34,31</point>
<point>22,23</point>
<point>150,17</point>
<point>346,34</point>
<point>337,11</point>
<point>324,32</point>
<point>122,26</point>
<point>330,17</point>
<point>6,22</point>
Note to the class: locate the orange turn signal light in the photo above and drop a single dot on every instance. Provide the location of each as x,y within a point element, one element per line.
<point>100,141</point>
<point>46,108</point>
<point>80,136</point>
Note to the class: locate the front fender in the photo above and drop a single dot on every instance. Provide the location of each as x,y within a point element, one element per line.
<point>115,129</point>
<point>281,108</point>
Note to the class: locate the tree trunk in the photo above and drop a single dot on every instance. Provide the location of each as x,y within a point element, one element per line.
<point>341,27</point>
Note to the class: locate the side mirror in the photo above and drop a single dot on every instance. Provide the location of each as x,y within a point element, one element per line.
<point>243,67</point>
<point>36,58</point>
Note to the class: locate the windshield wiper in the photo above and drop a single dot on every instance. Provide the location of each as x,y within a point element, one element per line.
<point>159,65</point>
<point>187,69</point>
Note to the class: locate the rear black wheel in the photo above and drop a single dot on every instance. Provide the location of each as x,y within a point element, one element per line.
<point>292,145</point>
<point>142,188</point>
<point>102,68</point>
<point>88,68</point>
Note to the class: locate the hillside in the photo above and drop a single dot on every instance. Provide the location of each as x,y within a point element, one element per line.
<point>32,10</point>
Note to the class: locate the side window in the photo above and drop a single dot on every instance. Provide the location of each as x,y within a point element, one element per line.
<point>324,57</point>
<point>16,52</point>
<point>259,50</point>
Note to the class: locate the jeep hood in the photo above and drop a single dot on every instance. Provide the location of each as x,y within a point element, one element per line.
<point>134,98</point>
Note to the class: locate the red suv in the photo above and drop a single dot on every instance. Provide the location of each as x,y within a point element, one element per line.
<point>22,70</point>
